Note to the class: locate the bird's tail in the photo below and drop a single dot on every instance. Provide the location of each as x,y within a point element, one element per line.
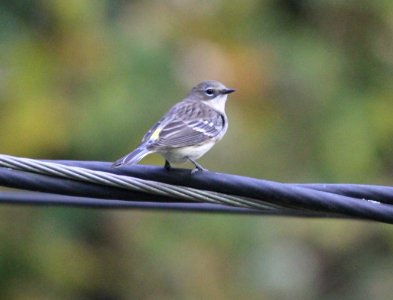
<point>132,158</point>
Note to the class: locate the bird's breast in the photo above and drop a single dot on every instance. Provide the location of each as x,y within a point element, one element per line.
<point>180,155</point>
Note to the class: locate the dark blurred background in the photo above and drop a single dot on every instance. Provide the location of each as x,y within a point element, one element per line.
<point>85,79</point>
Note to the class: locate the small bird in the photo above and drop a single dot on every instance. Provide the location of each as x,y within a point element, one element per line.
<point>188,130</point>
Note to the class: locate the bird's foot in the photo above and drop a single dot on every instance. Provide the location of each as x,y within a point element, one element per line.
<point>167,166</point>
<point>197,170</point>
<point>198,167</point>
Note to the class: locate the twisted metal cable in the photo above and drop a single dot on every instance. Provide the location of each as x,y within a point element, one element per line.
<point>130,183</point>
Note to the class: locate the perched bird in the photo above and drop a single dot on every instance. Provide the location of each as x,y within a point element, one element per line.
<point>188,130</point>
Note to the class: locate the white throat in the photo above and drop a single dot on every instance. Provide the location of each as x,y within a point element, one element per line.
<point>218,103</point>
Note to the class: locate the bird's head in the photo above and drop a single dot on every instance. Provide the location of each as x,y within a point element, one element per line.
<point>209,90</point>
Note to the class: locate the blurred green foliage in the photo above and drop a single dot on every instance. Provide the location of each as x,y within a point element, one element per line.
<point>314,101</point>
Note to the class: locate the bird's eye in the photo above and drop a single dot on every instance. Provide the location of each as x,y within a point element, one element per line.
<point>209,92</point>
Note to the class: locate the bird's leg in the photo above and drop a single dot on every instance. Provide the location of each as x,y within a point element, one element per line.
<point>198,167</point>
<point>167,165</point>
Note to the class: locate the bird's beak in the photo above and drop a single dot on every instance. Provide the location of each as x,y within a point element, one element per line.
<point>227,91</point>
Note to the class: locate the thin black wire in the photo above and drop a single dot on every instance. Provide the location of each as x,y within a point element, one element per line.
<point>341,200</point>
<point>37,198</point>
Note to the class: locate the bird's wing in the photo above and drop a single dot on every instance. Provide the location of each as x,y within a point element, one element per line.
<point>186,124</point>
